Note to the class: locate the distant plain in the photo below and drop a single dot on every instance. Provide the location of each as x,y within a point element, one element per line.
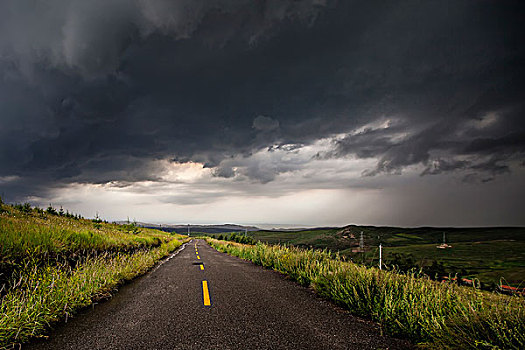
<point>493,255</point>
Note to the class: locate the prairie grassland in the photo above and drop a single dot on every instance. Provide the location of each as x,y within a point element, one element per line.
<point>431,314</point>
<point>39,235</point>
<point>50,266</point>
<point>488,254</point>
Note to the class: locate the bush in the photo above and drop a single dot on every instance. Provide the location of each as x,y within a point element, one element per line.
<point>50,210</point>
<point>39,210</point>
<point>26,208</point>
<point>131,228</point>
<point>239,238</point>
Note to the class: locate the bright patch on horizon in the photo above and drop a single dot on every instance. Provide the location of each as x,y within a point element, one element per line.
<point>183,172</point>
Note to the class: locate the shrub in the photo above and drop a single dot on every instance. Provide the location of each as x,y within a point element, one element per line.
<point>50,210</point>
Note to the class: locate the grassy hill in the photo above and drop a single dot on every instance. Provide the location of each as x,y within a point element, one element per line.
<point>491,254</point>
<point>52,263</point>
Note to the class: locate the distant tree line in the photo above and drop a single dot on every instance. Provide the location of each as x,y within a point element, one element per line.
<point>237,237</point>
<point>28,208</point>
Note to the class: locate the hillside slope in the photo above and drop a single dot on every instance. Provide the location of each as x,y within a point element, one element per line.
<point>52,263</point>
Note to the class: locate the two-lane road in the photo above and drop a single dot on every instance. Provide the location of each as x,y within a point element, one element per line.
<point>203,299</point>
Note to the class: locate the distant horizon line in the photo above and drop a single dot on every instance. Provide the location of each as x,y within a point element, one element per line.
<point>307,226</point>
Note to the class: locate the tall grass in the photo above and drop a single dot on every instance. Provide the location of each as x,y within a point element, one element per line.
<point>31,234</point>
<point>51,266</point>
<point>46,294</point>
<point>435,315</point>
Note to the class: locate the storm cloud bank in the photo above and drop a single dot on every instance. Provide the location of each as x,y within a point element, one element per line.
<point>100,92</point>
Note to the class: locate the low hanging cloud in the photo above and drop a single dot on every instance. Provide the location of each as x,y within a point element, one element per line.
<point>104,91</point>
<point>262,123</point>
<point>90,37</point>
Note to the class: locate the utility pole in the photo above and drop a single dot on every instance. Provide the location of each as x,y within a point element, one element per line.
<point>362,248</point>
<point>380,261</point>
<point>188,229</point>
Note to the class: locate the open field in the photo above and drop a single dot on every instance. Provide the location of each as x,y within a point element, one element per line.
<point>52,264</point>
<point>489,261</point>
<point>492,255</point>
<point>432,314</point>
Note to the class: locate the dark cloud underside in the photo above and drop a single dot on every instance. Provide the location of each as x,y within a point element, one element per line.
<point>97,91</point>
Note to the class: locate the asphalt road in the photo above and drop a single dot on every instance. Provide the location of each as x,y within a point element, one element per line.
<point>250,308</point>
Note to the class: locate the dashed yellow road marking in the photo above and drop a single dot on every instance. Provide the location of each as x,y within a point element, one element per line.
<point>205,294</point>
<point>202,267</point>
<point>198,257</point>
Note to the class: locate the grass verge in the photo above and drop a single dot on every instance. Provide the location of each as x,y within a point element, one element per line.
<point>51,266</point>
<point>431,314</point>
<point>48,294</point>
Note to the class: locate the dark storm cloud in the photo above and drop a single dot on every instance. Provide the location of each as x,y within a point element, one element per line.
<point>97,91</point>
<point>263,123</point>
<point>482,144</point>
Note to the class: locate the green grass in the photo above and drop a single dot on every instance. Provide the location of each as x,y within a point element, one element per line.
<point>488,254</point>
<point>34,234</point>
<point>488,261</point>
<point>52,265</point>
<point>434,315</point>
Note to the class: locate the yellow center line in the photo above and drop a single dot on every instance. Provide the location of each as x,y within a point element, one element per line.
<point>198,257</point>
<point>202,267</point>
<point>205,294</point>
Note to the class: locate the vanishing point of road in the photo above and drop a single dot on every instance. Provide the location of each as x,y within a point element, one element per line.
<point>203,299</point>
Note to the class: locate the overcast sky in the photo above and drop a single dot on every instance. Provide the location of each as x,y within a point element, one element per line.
<point>266,112</point>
